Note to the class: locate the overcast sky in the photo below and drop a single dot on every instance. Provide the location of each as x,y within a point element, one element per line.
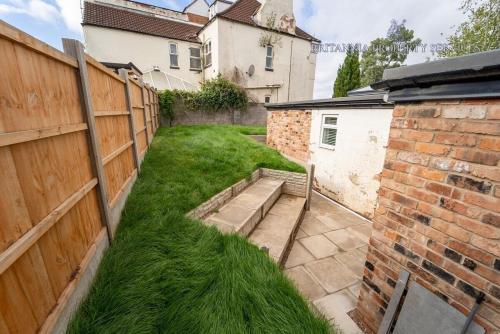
<point>332,21</point>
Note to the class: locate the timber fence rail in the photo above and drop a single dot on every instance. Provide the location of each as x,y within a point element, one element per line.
<point>72,137</point>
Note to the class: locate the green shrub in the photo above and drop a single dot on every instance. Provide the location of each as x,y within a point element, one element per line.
<point>218,94</point>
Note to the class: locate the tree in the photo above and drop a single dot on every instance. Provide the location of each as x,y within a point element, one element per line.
<point>348,74</point>
<point>481,31</point>
<point>388,52</point>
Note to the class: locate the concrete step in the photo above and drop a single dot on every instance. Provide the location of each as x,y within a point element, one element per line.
<point>277,230</point>
<point>246,210</point>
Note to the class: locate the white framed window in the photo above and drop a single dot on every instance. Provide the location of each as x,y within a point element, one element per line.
<point>267,99</point>
<point>269,57</point>
<point>329,131</point>
<point>195,59</point>
<point>174,55</point>
<point>207,52</point>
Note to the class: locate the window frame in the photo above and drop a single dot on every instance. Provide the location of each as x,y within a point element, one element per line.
<point>270,56</point>
<point>176,54</point>
<point>328,126</point>
<point>207,51</point>
<point>200,58</point>
<point>266,98</point>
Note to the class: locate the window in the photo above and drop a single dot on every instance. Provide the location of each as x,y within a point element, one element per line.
<point>267,99</point>
<point>207,51</point>
<point>195,59</point>
<point>269,57</point>
<point>174,56</point>
<point>329,131</point>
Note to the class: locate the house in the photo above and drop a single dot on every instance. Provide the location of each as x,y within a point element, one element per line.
<point>345,138</point>
<point>254,43</point>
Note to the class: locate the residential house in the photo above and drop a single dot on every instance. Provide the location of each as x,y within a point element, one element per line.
<point>254,43</point>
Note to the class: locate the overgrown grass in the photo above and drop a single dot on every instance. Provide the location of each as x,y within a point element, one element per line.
<point>168,274</point>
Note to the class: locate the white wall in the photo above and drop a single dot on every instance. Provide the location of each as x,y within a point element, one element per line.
<point>238,48</point>
<point>349,173</point>
<point>199,7</point>
<point>145,51</point>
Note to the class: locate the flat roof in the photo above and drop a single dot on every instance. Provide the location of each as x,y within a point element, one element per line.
<point>481,66</point>
<point>367,101</point>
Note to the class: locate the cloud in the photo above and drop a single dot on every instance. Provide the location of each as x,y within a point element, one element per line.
<point>360,21</point>
<point>37,9</point>
<point>71,14</point>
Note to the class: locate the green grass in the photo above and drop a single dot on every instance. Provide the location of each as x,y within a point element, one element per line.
<point>167,274</point>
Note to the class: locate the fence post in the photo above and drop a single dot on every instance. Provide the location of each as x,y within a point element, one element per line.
<point>75,49</point>
<point>128,96</point>
<point>144,88</point>
<point>310,183</point>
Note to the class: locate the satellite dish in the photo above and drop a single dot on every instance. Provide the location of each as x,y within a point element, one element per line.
<point>251,70</point>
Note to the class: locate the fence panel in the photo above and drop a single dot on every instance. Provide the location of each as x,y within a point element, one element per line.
<point>48,204</point>
<point>52,216</point>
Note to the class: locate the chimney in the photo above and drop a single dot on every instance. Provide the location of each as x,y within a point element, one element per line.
<point>282,10</point>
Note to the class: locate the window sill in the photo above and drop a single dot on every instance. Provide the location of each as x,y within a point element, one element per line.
<point>269,69</point>
<point>175,68</point>
<point>327,147</point>
<point>195,70</point>
<point>207,66</point>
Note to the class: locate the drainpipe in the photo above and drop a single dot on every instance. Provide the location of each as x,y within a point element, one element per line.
<point>290,71</point>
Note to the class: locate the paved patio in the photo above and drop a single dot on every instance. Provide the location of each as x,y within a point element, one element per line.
<point>327,259</point>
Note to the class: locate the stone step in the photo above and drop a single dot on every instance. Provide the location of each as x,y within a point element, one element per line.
<point>277,230</point>
<point>246,210</point>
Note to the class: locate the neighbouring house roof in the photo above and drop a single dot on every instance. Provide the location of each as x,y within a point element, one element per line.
<point>366,101</point>
<point>116,18</point>
<point>197,18</point>
<point>471,76</point>
<point>242,11</point>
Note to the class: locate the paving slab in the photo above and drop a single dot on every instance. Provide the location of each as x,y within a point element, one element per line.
<point>301,234</point>
<point>298,255</point>
<point>354,260</point>
<point>363,231</point>
<point>354,289</point>
<point>319,246</point>
<point>306,284</point>
<point>333,222</point>
<point>335,308</point>
<point>312,226</point>
<point>331,274</point>
<point>345,240</point>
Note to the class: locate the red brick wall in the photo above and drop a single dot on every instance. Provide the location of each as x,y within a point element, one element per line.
<point>289,131</point>
<point>439,208</point>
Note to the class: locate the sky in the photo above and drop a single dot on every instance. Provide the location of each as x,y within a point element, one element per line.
<point>332,21</point>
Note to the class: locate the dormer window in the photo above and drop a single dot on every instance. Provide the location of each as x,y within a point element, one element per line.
<point>269,57</point>
<point>174,56</point>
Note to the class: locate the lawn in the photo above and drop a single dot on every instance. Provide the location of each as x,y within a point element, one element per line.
<point>167,274</point>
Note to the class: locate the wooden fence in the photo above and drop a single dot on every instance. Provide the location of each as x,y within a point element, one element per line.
<point>72,136</point>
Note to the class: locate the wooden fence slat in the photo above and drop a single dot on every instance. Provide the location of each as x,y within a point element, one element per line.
<point>116,153</point>
<point>12,138</point>
<point>110,113</point>
<point>144,114</point>
<point>9,256</point>
<point>75,49</point>
<point>120,192</point>
<point>128,96</point>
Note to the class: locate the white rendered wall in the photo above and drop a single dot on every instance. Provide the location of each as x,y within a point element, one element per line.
<point>349,174</point>
<point>199,7</point>
<point>238,48</point>
<point>145,51</point>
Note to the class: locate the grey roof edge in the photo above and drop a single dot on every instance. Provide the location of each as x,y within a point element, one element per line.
<point>368,101</point>
<point>477,66</point>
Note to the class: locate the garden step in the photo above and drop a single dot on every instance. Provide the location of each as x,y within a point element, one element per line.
<point>246,210</point>
<point>277,230</point>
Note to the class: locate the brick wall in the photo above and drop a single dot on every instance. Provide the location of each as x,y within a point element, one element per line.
<point>289,131</point>
<point>295,183</point>
<point>438,214</point>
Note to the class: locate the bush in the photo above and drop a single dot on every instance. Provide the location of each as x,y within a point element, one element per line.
<point>218,94</point>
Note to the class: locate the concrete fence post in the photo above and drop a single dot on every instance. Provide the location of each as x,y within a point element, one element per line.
<point>310,182</point>
<point>75,49</point>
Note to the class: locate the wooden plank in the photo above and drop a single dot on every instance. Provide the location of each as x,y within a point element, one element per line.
<point>75,49</point>
<point>110,113</point>
<point>18,36</point>
<point>124,74</point>
<point>142,130</point>
<point>9,256</point>
<point>390,313</point>
<point>11,138</point>
<point>103,68</point>
<point>55,316</point>
<point>145,111</point>
<point>116,153</point>
<point>120,192</point>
